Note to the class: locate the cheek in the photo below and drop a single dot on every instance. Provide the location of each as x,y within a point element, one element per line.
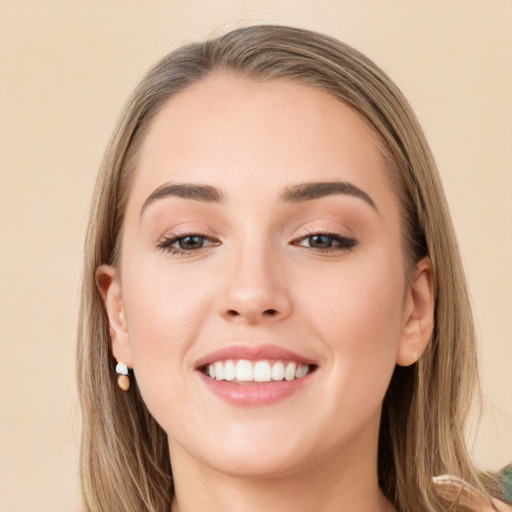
<point>362,300</point>
<point>164,316</point>
<point>360,322</point>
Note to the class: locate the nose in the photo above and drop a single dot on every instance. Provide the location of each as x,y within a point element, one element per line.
<point>256,290</point>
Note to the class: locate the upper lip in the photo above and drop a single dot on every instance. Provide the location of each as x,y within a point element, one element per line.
<point>252,353</point>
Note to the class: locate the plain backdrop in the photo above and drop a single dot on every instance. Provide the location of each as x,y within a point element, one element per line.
<point>66,68</point>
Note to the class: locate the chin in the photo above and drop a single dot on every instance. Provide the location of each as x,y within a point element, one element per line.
<point>264,466</point>
<point>249,454</point>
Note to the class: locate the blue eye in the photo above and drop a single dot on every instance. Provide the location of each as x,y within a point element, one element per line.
<point>187,244</point>
<point>320,241</point>
<point>326,242</point>
<point>191,242</point>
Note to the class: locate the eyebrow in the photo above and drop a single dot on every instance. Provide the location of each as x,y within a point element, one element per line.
<point>316,190</point>
<point>293,194</point>
<point>204,193</point>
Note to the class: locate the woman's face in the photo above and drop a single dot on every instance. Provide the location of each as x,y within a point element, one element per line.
<point>261,242</point>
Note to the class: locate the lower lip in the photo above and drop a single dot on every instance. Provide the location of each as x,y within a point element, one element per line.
<point>253,394</point>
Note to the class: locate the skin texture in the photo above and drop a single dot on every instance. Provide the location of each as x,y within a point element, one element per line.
<point>259,279</point>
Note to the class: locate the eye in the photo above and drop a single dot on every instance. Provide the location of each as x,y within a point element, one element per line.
<point>326,242</point>
<point>191,242</point>
<point>185,244</point>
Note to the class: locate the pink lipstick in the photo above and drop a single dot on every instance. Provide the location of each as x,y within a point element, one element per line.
<point>254,374</point>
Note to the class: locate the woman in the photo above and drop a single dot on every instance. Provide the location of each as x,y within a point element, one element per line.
<point>274,312</point>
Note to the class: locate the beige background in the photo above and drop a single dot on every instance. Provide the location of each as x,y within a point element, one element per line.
<point>66,69</point>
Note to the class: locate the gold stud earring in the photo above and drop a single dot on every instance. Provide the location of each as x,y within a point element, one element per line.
<point>123,379</point>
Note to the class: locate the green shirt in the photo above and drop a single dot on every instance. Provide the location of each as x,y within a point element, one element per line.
<point>506,475</point>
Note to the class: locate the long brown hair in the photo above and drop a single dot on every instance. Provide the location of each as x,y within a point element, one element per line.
<point>124,457</point>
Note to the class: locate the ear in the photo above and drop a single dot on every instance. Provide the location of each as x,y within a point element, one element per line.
<point>109,286</point>
<point>418,314</point>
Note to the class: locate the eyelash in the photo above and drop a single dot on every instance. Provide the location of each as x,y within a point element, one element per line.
<point>343,243</point>
<point>166,244</point>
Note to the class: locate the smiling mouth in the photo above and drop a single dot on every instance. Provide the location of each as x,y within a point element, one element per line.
<point>243,371</point>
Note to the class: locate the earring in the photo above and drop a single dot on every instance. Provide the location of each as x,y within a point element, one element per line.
<point>415,356</point>
<point>123,378</point>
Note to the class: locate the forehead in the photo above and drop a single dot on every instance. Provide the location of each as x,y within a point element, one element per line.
<point>239,133</point>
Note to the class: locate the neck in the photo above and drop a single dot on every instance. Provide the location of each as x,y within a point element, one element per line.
<point>346,482</point>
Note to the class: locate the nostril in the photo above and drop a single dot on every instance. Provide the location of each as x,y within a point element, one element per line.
<point>252,315</point>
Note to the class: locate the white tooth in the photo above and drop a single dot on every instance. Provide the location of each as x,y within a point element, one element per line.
<point>211,371</point>
<point>289,373</point>
<point>219,371</point>
<point>302,370</point>
<point>244,371</point>
<point>278,371</point>
<point>262,371</point>
<point>229,370</point>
